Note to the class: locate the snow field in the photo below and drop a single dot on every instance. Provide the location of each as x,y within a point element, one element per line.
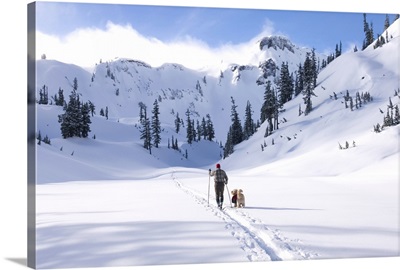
<point>108,202</point>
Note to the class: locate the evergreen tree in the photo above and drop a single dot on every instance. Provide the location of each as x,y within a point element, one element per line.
<point>173,142</point>
<point>330,58</point>
<point>177,123</point>
<point>285,84</point>
<point>249,126</point>
<point>369,33</point>
<point>142,109</point>
<point>309,83</point>
<point>366,31</point>
<point>338,50</point>
<point>92,108</point>
<point>324,63</point>
<point>235,134</point>
<point>268,107</point>
<point>276,112</point>
<point>237,131</point>
<point>198,87</point>
<point>156,125</point>
<point>43,95</point>
<point>358,100</point>
<point>85,126</point>
<point>299,83</point>
<point>210,133</point>
<point>39,138</point>
<point>380,41</point>
<point>386,26</point>
<point>59,100</point>
<point>68,120</point>
<point>199,131</point>
<point>75,84</point>
<point>387,23</point>
<point>189,128</point>
<point>351,104</point>
<point>387,120</point>
<point>204,128</point>
<point>396,120</point>
<point>314,67</point>
<point>145,133</point>
<point>46,140</point>
<point>76,119</point>
<point>194,133</point>
<point>229,146</point>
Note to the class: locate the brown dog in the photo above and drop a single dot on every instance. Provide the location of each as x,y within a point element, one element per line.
<point>234,197</point>
<point>240,201</point>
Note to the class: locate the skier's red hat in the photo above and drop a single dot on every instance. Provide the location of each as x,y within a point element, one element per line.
<point>218,166</point>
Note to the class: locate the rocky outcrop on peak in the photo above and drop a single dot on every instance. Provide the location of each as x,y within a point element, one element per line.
<point>276,42</point>
<point>268,68</point>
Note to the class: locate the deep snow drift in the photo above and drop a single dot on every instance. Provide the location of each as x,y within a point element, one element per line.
<point>108,202</point>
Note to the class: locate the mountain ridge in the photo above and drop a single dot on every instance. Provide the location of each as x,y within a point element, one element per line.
<point>121,84</point>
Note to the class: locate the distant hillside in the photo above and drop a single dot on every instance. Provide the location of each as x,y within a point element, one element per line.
<point>312,140</point>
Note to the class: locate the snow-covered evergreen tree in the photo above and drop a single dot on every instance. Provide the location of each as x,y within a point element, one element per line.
<point>199,130</point>
<point>142,109</point>
<point>299,81</point>
<point>75,122</point>
<point>269,107</point>
<point>204,128</point>
<point>145,133</point>
<point>369,33</point>
<point>71,120</point>
<point>309,82</point>
<point>396,120</point>
<point>210,132</point>
<point>43,95</point>
<point>177,123</point>
<point>59,100</point>
<point>229,146</point>
<point>249,125</point>
<point>189,128</point>
<point>285,84</point>
<point>237,131</point>
<point>194,132</point>
<point>156,125</point>
<point>235,134</point>
<point>85,125</point>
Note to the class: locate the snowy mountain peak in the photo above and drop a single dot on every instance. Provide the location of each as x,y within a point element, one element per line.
<point>118,86</point>
<point>276,42</point>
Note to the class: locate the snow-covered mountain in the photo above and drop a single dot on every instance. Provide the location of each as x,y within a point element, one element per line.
<point>323,185</point>
<point>119,85</point>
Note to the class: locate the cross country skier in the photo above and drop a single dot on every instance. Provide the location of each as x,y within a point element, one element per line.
<point>220,180</point>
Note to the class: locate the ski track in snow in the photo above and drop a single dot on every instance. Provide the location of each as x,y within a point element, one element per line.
<point>260,242</point>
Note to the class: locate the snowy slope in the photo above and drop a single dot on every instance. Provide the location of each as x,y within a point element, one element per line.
<point>120,84</point>
<point>305,197</point>
<point>318,134</point>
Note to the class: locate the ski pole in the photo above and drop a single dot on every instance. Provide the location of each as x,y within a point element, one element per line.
<point>229,196</point>
<point>208,200</point>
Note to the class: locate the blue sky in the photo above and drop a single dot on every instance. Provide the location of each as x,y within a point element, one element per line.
<point>213,28</point>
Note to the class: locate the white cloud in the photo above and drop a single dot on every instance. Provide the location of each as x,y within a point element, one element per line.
<point>85,47</point>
